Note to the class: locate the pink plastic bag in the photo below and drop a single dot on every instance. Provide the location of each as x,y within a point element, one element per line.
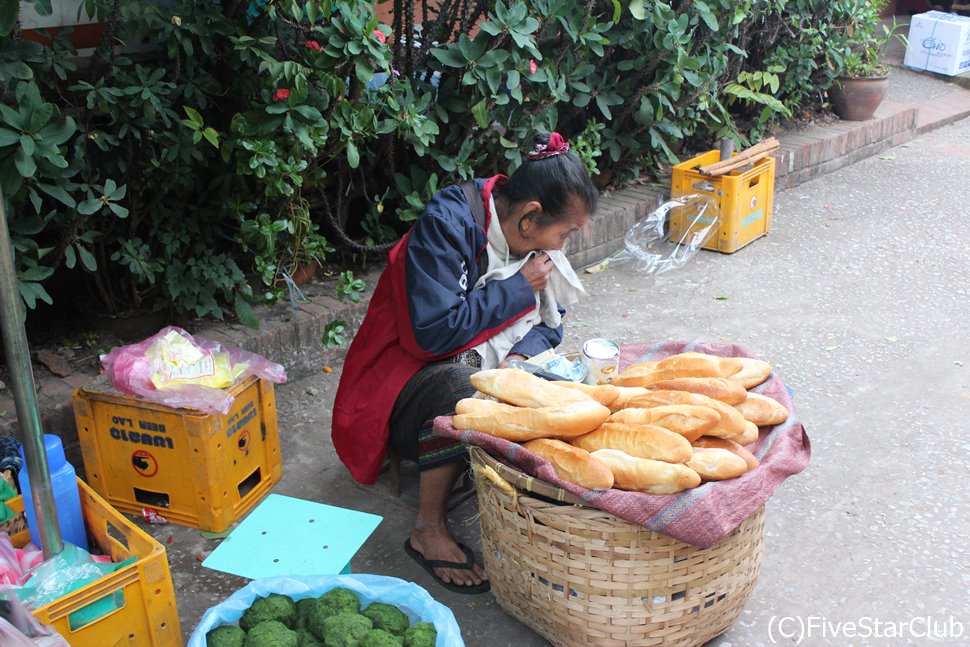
<point>19,628</point>
<point>14,562</point>
<point>131,370</point>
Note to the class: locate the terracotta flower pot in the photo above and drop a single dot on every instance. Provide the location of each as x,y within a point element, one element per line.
<point>304,273</point>
<point>856,99</point>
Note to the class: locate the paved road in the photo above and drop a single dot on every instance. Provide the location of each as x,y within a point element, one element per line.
<point>860,297</point>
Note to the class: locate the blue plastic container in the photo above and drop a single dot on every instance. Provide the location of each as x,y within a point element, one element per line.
<point>66,499</point>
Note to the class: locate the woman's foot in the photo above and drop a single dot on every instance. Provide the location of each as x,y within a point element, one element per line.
<point>438,545</point>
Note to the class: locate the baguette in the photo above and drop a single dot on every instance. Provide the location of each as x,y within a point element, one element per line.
<point>572,463</point>
<point>730,424</point>
<point>625,394</point>
<point>605,394</point>
<point>717,464</point>
<point>746,437</point>
<point>526,423</point>
<point>481,405</point>
<point>515,386</point>
<point>687,420</point>
<point>641,441</point>
<point>677,366</point>
<point>645,475</point>
<point>710,442</point>
<point>752,372</point>
<point>719,388</point>
<point>762,410</point>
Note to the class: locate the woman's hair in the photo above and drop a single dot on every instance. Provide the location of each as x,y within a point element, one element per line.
<point>552,178</point>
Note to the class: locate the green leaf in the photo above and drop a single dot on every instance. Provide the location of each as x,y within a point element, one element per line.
<point>637,10</point>
<point>449,56</point>
<point>494,57</point>
<point>513,79</point>
<point>9,11</point>
<point>30,292</point>
<point>118,210</point>
<point>57,133</point>
<point>70,258</point>
<point>472,50</point>
<point>604,107</point>
<point>59,194</point>
<point>211,136</point>
<point>24,163</point>
<point>115,193</point>
<point>90,206</point>
<point>480,112</point>
<point>194,116</point>
<point>706,15</point>
<point>353,155</point>
<point>36,273</point>
<point>27,144</point>
<point>8,137</point>
<point>87,259</point>
<point>11,117</point>
<point>245,312</point>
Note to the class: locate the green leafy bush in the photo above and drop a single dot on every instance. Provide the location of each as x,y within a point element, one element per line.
<point>205,151</point>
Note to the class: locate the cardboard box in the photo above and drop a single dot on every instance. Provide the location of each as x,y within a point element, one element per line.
<point>939,42</point>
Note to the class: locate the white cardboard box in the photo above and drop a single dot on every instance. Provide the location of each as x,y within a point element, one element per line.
<point>939,42</point>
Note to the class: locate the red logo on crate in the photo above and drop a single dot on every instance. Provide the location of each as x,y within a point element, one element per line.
<point>144,463</point>
<point>243,442</point>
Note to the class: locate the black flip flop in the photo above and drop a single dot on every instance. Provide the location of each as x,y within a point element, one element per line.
<point>430,564</point>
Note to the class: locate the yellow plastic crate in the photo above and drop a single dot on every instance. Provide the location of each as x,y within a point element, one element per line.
<point>196,469</point>
<point>142,592</point>
<point>745,200</point>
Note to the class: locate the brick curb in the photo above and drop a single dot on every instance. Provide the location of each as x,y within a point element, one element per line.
<point>291,336</point>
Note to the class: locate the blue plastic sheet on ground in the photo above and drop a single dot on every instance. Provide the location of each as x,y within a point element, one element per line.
<point>409,597</point>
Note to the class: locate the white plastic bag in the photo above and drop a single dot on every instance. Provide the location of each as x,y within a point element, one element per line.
<point>649,247</point>
<point>413,600</point>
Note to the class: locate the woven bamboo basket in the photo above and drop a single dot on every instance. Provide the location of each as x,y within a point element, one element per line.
<point>580,576</point>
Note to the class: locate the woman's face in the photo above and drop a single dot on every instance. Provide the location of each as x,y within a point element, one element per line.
<point>532,236</point>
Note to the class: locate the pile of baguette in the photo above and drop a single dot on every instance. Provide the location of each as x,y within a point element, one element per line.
<point>658,427</point>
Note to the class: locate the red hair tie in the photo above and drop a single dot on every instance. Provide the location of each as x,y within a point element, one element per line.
<point>556,146</point>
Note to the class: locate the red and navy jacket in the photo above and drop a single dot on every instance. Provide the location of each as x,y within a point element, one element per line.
<point>424,310</point>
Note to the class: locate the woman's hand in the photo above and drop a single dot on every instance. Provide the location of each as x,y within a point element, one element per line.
<point>505,363</point>
<point>536,271</point>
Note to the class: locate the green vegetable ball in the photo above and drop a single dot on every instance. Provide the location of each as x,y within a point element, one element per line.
<point>346,630</point>
<point>304,638</point>
<point>331,603</point>
<point>387,617</point>
<point>381,638</point>
<point>274,606</point>
<point>341,600</point>
<point>420,634</point>
<point>271,633</point>
<point>225,636</point>
<point>303,610</point>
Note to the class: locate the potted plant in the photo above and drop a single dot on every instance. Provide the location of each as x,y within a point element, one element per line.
<point>858,56</point>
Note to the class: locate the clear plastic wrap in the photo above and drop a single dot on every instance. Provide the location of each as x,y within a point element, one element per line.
<point>175,369</point>
<point>66,572</point>
<point>649,247</point>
